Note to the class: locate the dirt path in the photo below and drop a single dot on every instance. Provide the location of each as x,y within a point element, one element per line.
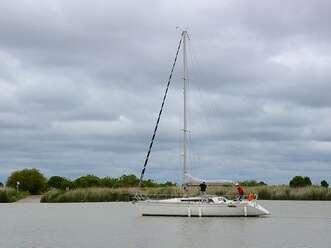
<point>30,199</point>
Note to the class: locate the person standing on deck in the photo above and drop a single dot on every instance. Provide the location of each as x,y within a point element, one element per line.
<point>203,187</point>
<point>240,191</point>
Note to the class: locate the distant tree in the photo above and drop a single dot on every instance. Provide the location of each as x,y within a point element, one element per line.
<point>252,183</point>
<point>149,183</point>
<point>299,181</point>
<point>296,181</point>
<point>107,182</point>
<point>31,180</point>
<point>87,181</point>
<point>168,183</point>
<point>127,181</point>
<point>1,184</point>
<point>307,181</point>
<point>58,182</point>
<point>324,184</point>
<point>94,181</point>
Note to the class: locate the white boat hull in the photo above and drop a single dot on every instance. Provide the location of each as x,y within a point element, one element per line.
<point>176,207</point>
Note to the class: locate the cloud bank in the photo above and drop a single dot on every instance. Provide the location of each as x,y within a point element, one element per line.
<point>81,83</point>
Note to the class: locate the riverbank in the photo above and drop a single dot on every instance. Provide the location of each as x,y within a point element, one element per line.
<point>279,192</point>
<point>8,195</point>
<point>127,194</point>
<point>96,194</point>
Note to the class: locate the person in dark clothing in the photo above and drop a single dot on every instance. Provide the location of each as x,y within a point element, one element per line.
<point>203,187</point>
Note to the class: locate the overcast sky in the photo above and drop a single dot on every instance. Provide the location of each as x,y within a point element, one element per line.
<point>81,84</point>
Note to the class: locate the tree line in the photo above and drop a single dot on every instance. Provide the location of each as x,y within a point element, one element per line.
<point>300,181</point>
<point>33,181</point>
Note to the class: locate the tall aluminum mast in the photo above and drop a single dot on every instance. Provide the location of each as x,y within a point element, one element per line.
<point>185,79</point>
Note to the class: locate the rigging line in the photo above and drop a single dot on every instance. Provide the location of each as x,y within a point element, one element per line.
<point>191,148</point>
<point>211,109</point>
<point>193,155</point>
<point>159,116</point>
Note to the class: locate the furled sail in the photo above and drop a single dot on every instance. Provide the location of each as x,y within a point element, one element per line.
<point>190,180</point>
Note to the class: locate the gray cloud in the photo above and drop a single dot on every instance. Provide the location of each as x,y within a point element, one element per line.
<point>81,84</point>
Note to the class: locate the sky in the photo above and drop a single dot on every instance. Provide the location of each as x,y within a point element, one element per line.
<point>81,84</point>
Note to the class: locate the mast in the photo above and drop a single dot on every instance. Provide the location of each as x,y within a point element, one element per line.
<point>185,79</point>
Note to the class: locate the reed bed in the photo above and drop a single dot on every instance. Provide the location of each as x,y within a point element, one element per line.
<point>288,193</point>
<point>278,192</point>
<point>96,194</point>
<point>128,194</point>
<point>8,195</point>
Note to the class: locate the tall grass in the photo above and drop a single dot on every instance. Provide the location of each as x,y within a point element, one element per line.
<point>96,194</point>
<point>10,195</point>
<point>127,194</point>
<point>280,192</point>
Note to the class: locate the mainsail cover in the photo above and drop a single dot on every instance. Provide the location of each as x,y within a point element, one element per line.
<point>190,180</point>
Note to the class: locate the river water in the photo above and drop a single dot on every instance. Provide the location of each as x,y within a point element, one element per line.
<point>293,224</point>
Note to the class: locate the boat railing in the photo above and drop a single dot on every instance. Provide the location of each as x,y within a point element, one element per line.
<point>229,196</point>
<point>159,196</point>
<point>154,196</point>
<point>236,197</point>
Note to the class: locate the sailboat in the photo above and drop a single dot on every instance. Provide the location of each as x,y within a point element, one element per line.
<point>199,206</point>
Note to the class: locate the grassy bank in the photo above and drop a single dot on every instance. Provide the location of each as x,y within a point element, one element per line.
<point>279,192</point>
<point>11,195</point>
<point>127,194</point>
<point>104,194</point>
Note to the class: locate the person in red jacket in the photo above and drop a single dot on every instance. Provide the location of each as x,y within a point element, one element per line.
<point>240,191</point>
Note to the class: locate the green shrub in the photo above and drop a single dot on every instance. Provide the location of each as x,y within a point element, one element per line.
<point>299,181</point>
<point>31,180</point>
<point>252,183</point>
<point>107,182</point>
<point>58,182</point>
<point>10,195</point>
<point>127,181</point>
<point>324,184</point>
<point>307,181</point>
<point>148,183</point>
<point>87,181</point>
<point>4,196</point>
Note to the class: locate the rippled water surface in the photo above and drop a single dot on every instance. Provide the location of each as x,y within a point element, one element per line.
<point>292,224</point>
